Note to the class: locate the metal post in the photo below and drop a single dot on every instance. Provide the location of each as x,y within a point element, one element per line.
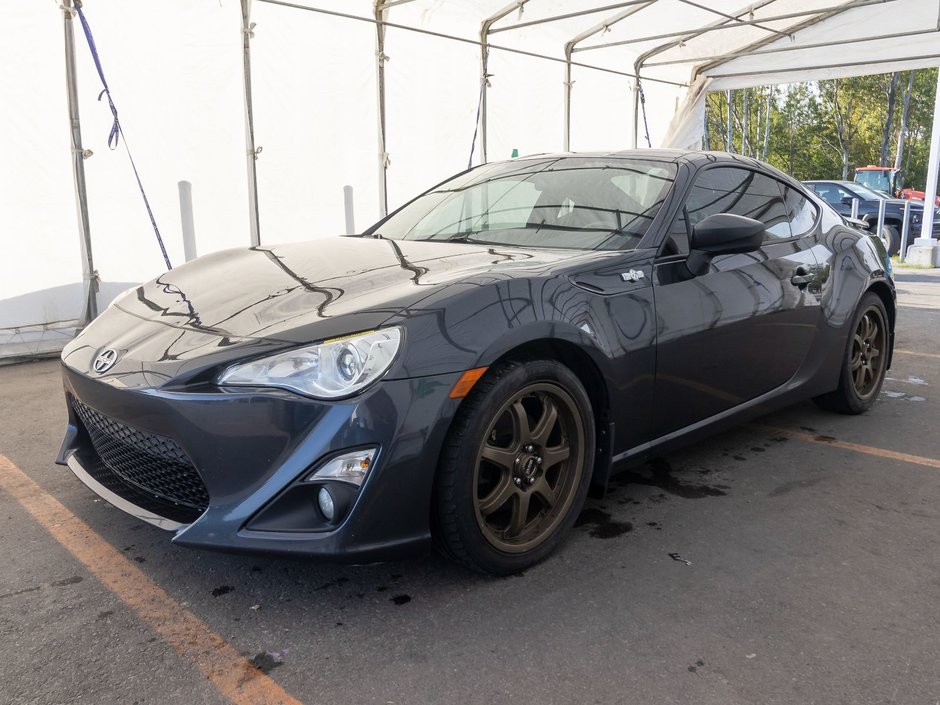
<point>854,209</point>
<point>186,220</point>
<point>568,84</point>
<point>930,191</point>
<point>571,47</point>
<point>89,275</point>
<point>381,15</point>
<point>881,218</point>
<point>905,229</point>
<point>350,213</point>
<point>247,34</point>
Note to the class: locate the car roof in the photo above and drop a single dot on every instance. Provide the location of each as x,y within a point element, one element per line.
<point>831,181</point>
<point>669,155</point>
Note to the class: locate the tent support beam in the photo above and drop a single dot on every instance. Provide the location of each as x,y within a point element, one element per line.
<point>475,42</point>
<point>571,46</point>
<point>927,59</point>
<point>817,14</point>
<point>568,15</point>
<point>251,151</point>
<point>381,15</point>
<point>736,18</point>
<point>486,28</point>
<point>89,275</point>
<point>825,14</point>
<point>655,51</point>
<point>779,50</point>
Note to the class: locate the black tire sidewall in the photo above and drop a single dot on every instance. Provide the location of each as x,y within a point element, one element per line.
<point>853,401</point>
<point>462,537</point>
<point>894,240</point>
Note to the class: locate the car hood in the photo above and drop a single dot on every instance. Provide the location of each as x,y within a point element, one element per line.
<point>341,284</point>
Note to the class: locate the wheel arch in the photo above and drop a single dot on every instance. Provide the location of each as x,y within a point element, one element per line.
<point>884,292</point>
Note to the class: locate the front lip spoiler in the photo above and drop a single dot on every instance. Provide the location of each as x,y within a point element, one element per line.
<point>160,522</point>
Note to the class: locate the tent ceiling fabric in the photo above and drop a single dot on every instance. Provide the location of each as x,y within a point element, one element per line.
<point>678,43</point>
<point>675,40</point>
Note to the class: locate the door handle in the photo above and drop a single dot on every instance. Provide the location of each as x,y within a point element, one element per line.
<point>801,277</point>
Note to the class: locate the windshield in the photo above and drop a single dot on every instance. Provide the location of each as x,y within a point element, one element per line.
<point>867,193</point>
<point>571,203</point>
<point>873,179</point>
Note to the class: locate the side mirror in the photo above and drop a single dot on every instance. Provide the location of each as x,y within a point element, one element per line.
<point>847,201</point>
<point>722,234</point>
<point>727,234</point>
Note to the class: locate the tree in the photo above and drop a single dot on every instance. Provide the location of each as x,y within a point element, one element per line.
<point>824,129</point>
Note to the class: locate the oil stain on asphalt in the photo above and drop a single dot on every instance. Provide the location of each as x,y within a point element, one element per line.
<point>660,475</point>
<point>603,526</point>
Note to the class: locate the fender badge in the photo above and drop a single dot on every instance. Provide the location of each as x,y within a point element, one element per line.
<point>633,275</point>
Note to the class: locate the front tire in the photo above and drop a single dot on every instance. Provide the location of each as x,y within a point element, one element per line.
<point>865,362</point>
<point>515,468</point>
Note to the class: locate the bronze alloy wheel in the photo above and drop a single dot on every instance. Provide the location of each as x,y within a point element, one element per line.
<point>528,468</point>
<point>868,357</point>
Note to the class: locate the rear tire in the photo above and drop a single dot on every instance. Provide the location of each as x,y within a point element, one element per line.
<point>515,468</point>
<point>865,361</point>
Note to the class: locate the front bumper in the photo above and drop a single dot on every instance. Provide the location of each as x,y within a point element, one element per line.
<point>251,446</point>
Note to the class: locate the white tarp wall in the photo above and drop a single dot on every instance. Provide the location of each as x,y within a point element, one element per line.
<point>175,73</point>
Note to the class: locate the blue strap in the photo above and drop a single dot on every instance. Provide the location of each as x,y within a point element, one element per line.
<point>116,132</point>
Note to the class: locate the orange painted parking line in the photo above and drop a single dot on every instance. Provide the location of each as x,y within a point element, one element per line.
<point>918,354</point>
<point>857,447</point>
<point>230,672</point>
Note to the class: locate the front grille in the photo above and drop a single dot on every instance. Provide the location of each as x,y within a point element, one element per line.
<point>148,462</point>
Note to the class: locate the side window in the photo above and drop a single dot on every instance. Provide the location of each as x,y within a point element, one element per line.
<point>731,190</point>
<point>800,210</point>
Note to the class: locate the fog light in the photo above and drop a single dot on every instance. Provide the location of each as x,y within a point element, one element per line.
<point>325,500</point>
<point>349,467</point>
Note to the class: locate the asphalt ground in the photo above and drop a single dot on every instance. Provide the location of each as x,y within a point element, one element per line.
<point>792,560</point>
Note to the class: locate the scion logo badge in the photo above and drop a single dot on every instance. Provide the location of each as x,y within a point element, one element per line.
<point>105,360</point>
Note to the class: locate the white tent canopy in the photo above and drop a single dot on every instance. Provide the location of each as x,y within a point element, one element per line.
<point>385,99</point>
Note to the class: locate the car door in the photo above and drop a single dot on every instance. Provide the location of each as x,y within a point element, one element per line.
<point>744,327</point>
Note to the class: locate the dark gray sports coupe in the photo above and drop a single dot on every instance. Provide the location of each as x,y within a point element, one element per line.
<point>467,368</point>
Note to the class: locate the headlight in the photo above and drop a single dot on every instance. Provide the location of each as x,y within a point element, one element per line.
<point>329,370</point>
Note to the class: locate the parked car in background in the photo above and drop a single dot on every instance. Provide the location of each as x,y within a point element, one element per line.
<point>468,367</point>
<point>840,194</point>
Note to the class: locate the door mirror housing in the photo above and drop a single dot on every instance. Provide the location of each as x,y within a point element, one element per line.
<point>722,234</point>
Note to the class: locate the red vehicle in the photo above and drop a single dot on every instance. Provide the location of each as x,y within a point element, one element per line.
<point>886,178</point>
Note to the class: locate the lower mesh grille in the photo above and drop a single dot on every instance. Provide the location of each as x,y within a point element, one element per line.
<point>152,463</point>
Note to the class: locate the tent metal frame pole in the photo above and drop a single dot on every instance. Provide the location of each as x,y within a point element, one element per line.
<point>693,34</point>
<point>736,17</point>
<point>254,221</point>
<point>824,14</point>
<point>486,28</point>
<point>569,15</point>
<point>381,15</point>
<point>89,274</point>
<point>927,59</point>
<point>780,50</point>
<point>572,44</point>
<point>817,14</point>
<point>466,40</point>
<point>933,167</point>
